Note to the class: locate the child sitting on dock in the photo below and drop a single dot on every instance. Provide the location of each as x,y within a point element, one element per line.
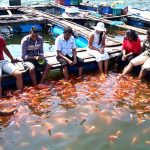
<point>130,49</point>
<point>143,59</point>
<point>66,52</point>
<point>8,67</point>
<point>96,47</point>
<point>33,55</point>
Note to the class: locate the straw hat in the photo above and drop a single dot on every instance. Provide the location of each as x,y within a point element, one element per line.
<point>100,27</point>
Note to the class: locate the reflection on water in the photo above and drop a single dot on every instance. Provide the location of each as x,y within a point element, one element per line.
<point>94,113</point>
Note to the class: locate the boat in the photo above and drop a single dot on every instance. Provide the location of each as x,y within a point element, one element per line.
<point>16,19</point>
<point>91,17</point>
<point>6,31</point>
<point>117,11</point>
<point>139,18</point>
<point>81,42</point>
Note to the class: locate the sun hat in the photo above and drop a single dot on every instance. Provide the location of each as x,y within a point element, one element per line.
<point>100,27</point>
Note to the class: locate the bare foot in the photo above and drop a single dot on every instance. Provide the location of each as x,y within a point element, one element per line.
<point>121,76</point>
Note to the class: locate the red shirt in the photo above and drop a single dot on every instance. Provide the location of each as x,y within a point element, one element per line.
<point>2,45</point>
<point>132,46</point>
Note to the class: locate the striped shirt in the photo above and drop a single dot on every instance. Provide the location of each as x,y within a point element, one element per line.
<point>31,48</point>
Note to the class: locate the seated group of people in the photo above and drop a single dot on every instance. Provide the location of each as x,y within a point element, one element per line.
<point>133,52</point>
<point>32,54</point>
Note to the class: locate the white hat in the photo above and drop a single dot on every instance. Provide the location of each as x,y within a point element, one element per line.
<point>72,10</point>
<point>100,27</point>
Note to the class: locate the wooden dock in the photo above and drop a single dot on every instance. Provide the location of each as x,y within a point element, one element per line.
<point>80,30</point>
<point>12,15</point>
<point>106,20</point>
<point>124,26</point>
<point>114,47</point>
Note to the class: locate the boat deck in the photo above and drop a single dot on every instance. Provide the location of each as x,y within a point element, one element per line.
<point>51,58</point>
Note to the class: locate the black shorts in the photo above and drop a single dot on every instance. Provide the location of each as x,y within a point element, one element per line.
<point>65,63</point>
<point>126,62</point>
<point>36,64</point>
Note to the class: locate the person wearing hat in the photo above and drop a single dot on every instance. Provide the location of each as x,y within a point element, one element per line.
<point>66,52</point>
<point>96,47</point>
<point>33,55</point>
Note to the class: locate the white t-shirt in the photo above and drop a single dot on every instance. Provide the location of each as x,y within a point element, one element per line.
<point>65,46</point>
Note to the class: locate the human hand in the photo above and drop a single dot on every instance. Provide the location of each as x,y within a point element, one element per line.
<point>70,62</point>
<point>39,58</point>
<point>124,57</point>
<point>75,61</point>
<point>15,60</point>
<point>102,50</point>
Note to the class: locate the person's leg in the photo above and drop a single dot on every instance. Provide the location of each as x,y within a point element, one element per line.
<point>106,66</point>
<point>100,67</point>
<point>64,67</point>
<point>127,69</point>
<point>139,60</point>
<point>0,88</point>
<point>11,69</point>
<point>80,64</point>
<point>98,57</point>
<point>145,68</point>
<point>46,72</point>
<point>142,73</point>
<point>19,81</point>
<point>65,73</point>
<point>31,72</point>
<point>80,71</point>
<point>118,61</point>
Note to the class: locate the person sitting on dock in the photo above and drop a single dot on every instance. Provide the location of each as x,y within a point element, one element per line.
<point>143,59</point>
<point>130,49</point>
<point>96,47</point>
<point>33,55</point>
<point>8,67</point>
<point>66,52</point>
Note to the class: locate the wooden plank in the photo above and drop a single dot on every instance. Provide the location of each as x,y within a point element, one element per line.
<point>81,30</point>
<point>105,20</point>
<point>25,17</point>
<point>139,30</point>
<point>9,12</point>
<point>21,20</point>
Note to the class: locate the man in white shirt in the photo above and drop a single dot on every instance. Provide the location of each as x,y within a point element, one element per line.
<point>66,52</point>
